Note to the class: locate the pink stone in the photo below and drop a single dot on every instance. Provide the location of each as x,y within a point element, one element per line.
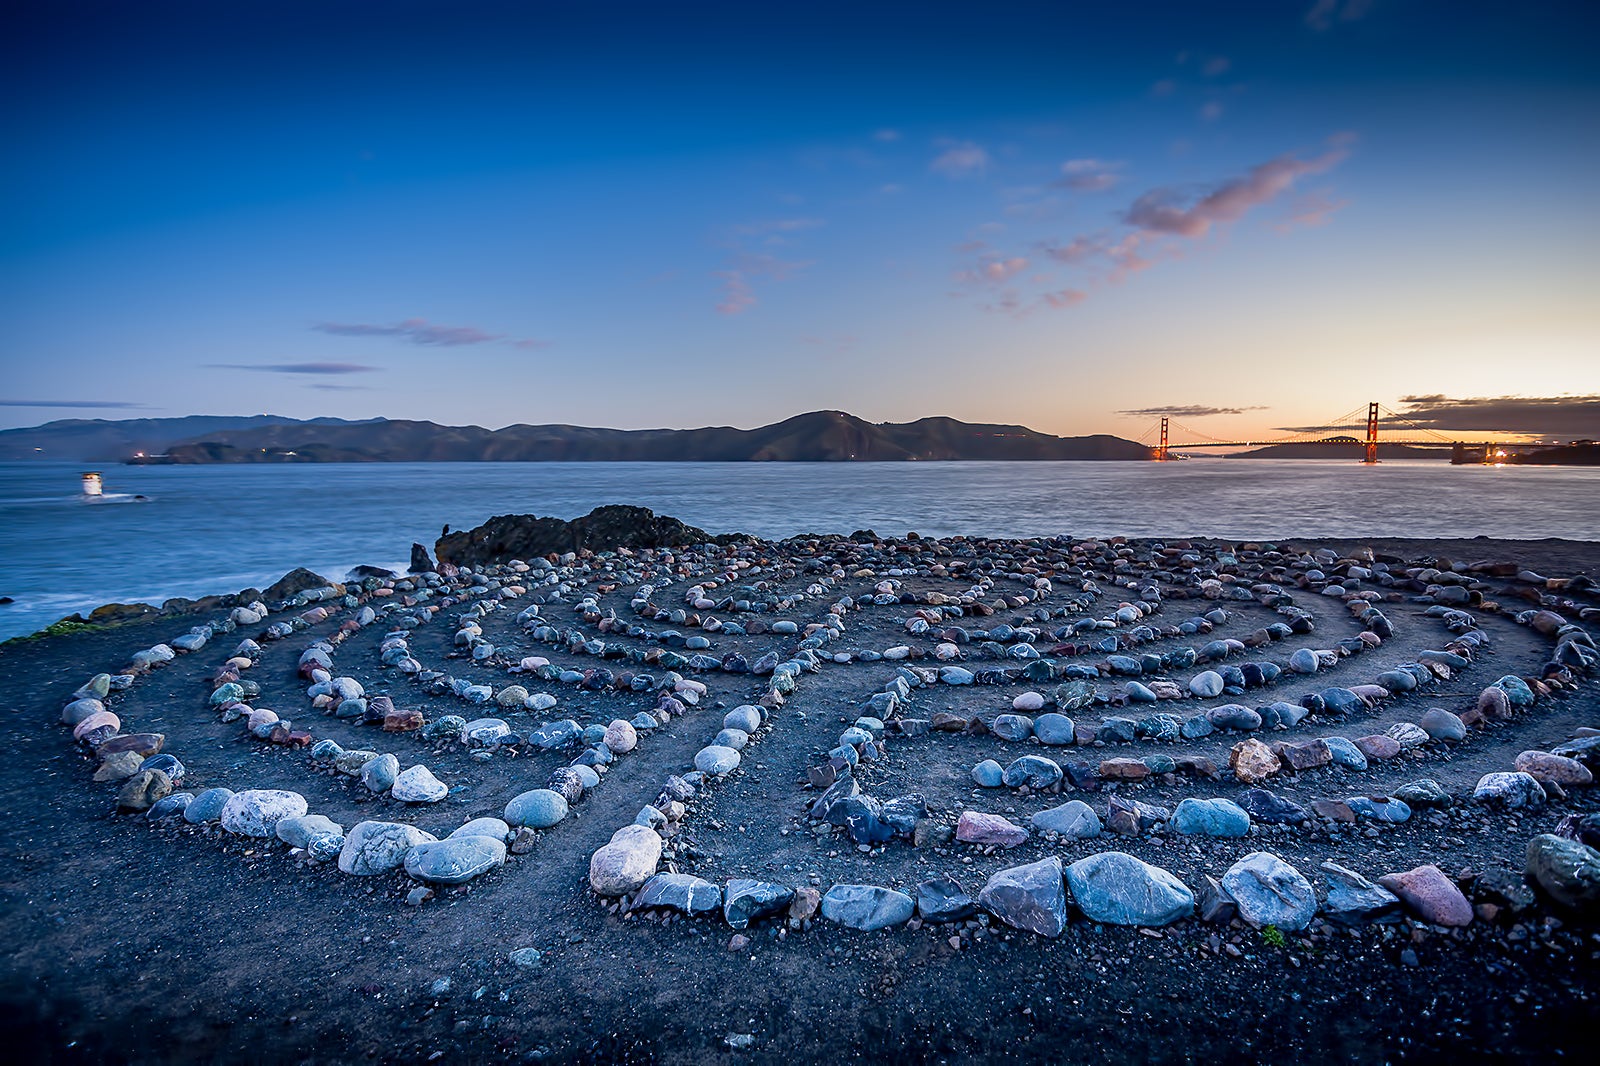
<point>1557,768</point>
<point>1431,895</point>
<point>976,828</point>
<point>1378,746</point>
<point>97,720</point>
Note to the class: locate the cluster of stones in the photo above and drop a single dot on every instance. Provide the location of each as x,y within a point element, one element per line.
<point>1120,889</point>
<point>1109,887</point>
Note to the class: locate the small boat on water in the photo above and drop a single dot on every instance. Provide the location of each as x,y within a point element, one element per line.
<point>94,491</point>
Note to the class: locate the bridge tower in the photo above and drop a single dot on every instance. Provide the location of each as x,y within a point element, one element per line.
<point>1161,452</point>
<point>1372,434</point>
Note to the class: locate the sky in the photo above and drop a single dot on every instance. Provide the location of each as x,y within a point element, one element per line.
<point>1255,216</point>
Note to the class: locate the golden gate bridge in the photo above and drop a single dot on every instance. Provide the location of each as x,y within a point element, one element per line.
<point>1419,437</point>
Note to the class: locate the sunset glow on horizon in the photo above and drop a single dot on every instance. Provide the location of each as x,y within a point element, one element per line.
<point>1252,219</point>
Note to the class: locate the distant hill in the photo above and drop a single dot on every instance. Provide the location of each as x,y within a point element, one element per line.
<point>95,440</point>
<point>1354,450</point>
<point>820,436</point>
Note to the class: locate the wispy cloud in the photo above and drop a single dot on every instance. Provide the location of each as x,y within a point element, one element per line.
<point>994,270</point>
<point>1089,175</point>
<point>108,404</point>
<point>1165,211</point>
<point>1159,223</point>
<point>340,388</point>
<point>1065,298</point>
<point>1324,13</point>
<point>415,330</point>
<point>738,294</point>
<point>299,368</point>
<point>886,136</point>
<point>1186,411</point>
<point>1216,66</point>
<point>1211,110</point>
<point>1312,209</point>
<point>960,159</point>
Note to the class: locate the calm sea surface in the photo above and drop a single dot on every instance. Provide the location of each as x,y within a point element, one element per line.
<point>215,529</point>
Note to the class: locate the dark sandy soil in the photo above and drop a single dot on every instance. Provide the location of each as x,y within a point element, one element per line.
<point>131,942</point>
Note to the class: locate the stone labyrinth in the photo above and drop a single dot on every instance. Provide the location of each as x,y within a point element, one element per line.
<point>972,736</point>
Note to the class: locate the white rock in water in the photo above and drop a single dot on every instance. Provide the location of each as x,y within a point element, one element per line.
<point>256,812</point>
<point>416,784</point>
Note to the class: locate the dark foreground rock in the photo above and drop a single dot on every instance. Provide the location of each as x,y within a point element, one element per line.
<point>523,536</point>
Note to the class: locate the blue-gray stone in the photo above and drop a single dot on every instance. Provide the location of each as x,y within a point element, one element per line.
<point>207,806</point>
<point>746,900</point>
<point>1509,791</point>
<point>1030,897</point>
<point>1271,808</point>
<point>1210,817</point>
<point>1379,808</point>
<point>942,899</point>
<point>1352,898</point>
<point>1116,730</point>
<point>715,759</point>
<point>1423,793</point>
<point>1012,727</point>
<point>1268,891</point>
<point>1117,889</point>
<point>454,860</point>
<point>680,892</point>
<point>1345,753</point>
<point>1054,729</point>
<point>1034,771</point>
<point>1207,684</point>
<point>988,774</point>
<point>867,907</point>
<point>539,809</point>
<point>1234,716</point>
<point>745,717</point>
<point>298,831</point>
<point>170,806</point>
<point>379,774</point>
<point>1074,820</point>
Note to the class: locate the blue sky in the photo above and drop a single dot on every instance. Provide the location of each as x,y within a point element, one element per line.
<point>1260,215</point>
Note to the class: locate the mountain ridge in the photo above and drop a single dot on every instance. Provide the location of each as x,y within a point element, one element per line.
<point>815,436</point>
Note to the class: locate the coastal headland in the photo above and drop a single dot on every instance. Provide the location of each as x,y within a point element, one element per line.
<point>620,789</point>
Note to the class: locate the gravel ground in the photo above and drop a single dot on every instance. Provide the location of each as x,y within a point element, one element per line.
<point>133,942</point>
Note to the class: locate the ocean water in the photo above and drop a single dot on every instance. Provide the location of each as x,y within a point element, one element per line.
<point>215,529</point>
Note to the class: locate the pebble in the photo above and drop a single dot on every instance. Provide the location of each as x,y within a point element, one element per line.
<point>454,860</point>
<point>255,812</point>
<point>867,907</point>
<point>1210,817</point>
<point>626,862</point>
<point>207,806</point>
<point>1566,870</point>
<point>716,759</point>
<point>378,774</point>
<point>373,848</point>
<point>974,827</point>
<point>1509,791</point>
<point>540,808</point>
<point>680,892</point>
<point>1074,820</point>
<point>1268,891</point>
<point>416,784</point>
<point>1030,897</point>
<point>1117,889</point>
<point>1431,895</point>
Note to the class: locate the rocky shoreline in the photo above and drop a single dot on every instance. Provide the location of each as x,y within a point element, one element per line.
<point>1259,754</point>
